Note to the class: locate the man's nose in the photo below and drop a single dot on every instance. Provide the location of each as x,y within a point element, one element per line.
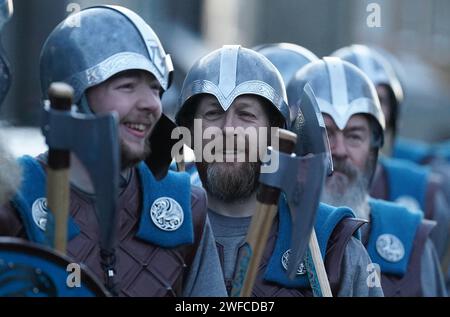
<point>227,123</point>
<point>338,146</point>
<point>148,100</point>
<point>229,131</point>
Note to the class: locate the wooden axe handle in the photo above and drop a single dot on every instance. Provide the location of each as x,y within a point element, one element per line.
<point>262,220</point>
<point>319,266</point>
<point>60,96</point>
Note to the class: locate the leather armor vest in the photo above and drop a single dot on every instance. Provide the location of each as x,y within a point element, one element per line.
<point>143,269</point>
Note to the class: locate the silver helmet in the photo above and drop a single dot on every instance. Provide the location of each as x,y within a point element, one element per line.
<point>287,57</point>
<point>6,11</point>
<point>96,43</point>
<point>230,72</point>
<point>106,41</point>
<point>379,71</point>
<point>342,90</point>
<point>374,65</point>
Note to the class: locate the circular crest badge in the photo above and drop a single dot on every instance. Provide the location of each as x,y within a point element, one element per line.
<point>285,261</point>
<point>167,214</point>
<point>39,212</point>
<point>390,248</point>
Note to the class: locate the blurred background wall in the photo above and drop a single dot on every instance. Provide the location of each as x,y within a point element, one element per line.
<point>416,32</point>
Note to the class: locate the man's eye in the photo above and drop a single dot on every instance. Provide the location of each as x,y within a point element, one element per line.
<point>126,86</point>
<point>354,137</point>
<point>156,87</point>
<point>211,113</point>
<point>247,115</point>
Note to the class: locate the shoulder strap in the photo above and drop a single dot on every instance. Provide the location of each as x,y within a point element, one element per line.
<point>199,211</point>
<point>423,232</point>
<point>339,239</point>
<point>434,185</point>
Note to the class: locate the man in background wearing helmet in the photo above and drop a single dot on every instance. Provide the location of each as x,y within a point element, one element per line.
<point>396,238</point>
<point>234,88</point>
<point>115,62</point>
<point>288,58</point>
<point>398,180</point>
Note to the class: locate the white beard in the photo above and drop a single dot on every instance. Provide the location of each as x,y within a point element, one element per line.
<point>355,196</point>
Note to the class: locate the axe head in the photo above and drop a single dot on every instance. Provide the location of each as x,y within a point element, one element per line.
<point>301,176</point>
<point>94,139</point>
<point>313,164</point>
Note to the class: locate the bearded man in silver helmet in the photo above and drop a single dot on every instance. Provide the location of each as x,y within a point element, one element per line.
<point>396,238</point>
<point>396,179</point>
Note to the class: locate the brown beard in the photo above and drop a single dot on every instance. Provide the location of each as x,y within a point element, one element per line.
<point>229,182</point>
<point>129,158</point>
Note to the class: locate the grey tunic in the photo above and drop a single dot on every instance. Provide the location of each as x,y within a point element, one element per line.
<point>431,276</point>
<point>440,234</point>
<point>205,277</point>
<point>231,232</point>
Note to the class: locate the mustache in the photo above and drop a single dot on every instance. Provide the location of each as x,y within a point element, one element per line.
<point>241,144</point>
<point>345,168</point>
<point>140,119</point>
<point>229,184</point>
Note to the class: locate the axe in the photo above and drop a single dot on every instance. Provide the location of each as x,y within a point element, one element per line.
<point>262,220</point>
<point>314,145</point>
<point>301,178</point>
<point>94,140</point>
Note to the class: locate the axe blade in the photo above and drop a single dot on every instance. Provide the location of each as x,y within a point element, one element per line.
<point>303,201</point>
<point>103,165</point>
<point>301,180</point>
<point>94,139</point>
<point>314,150</point>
